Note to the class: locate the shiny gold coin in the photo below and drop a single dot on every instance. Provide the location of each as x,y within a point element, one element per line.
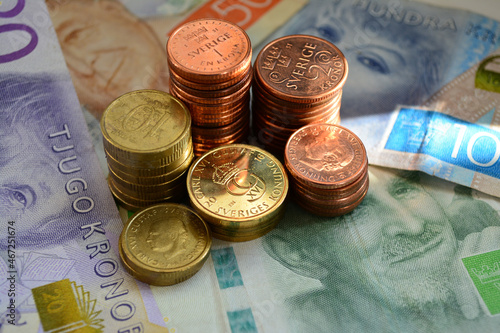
<point>237,187</point>
<point>165,244</point>
<point>149,176</point>
<point>146,128</point>
<point>133,203</point>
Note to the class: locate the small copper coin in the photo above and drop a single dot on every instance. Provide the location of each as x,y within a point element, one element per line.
<point>330,212</point>
<point>209,51</point>
<point>325,156</point>
<point>301,68</point>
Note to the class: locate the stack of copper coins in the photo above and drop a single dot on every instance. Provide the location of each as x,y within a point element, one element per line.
<point>211,72</point>
<point>329,169</point>
<point>239,190</point>
<point>148,146</point>
<point>164,244</point>
<point>298,80</point>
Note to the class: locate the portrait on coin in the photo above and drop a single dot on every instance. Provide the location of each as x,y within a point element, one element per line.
<point>391,265</point>
<point>169,237</point>
<point>108,50</point>
<point>327,152</point>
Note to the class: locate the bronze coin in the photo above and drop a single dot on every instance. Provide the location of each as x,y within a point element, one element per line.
<point>213,94</point>
<point>333,202</point>
<point>211,99</point>
<point>301,68</point>
<point>322,211</point>
<point>208,87</point>
<point>200,133</point>
<point>325,156</point>
<point>209,50</point>
<point>329,194</point>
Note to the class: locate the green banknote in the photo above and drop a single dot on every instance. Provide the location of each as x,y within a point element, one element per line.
<point>418,255</point>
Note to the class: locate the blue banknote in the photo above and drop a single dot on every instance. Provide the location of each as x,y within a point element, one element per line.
<point>409,53</point>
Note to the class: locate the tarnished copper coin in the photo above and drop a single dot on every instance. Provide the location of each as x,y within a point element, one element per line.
<point>209,51</point>
<point>301,68</point>
<point>325,156</point>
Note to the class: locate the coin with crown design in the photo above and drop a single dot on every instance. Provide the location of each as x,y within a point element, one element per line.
<point>239,190</point>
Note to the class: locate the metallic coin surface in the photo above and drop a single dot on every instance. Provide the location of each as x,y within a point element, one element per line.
<point>165,244</point>
<point>325,156</point>
<point>237,187</point>
<point>301,68</point>
<point>150,127</point>
<point>326,211</point>
<point>209,50</point>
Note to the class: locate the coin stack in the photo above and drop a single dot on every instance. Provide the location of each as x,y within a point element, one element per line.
<point>164,244</point>
<point>329,169</point>
<point>298,81</point>
<point>210,71</point>
<point>148,146</point>
<point>239,190</point>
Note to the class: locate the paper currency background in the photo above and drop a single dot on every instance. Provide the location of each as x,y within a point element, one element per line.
<point>418,255</point>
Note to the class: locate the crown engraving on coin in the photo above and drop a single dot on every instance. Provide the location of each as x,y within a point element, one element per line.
<point>238,181</point>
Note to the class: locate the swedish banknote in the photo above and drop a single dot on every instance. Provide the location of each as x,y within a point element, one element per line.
<point>59,268</point>
<point>409,53</point>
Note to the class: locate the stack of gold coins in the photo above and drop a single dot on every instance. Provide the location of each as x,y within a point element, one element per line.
<point>164,244</point>
<point>239,190</point>
<point>298,80</point>
<point>211,72</point>
<point>148,146</point>
<point>329,169</point>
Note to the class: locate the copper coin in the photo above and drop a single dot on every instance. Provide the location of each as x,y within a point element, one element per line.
<point>330,212</point>
<point>325,156</point>
<point>213,110</point>
<point>296,109</point>
<point>261,90</point>
<point>211,99</point>
<point>199,133</point>
<point>209,51</point>
<point>301,68</point>
<point>332,202</point>
<point>268,109</point>
<point>328,194</point>
<point>208,87</point>
<point>203,93</point>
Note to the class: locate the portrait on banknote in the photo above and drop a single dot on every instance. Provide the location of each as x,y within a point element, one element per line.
<point>394,263</point>
<point>108,50</point>
<point>41,181</point>
<point>393,58</point>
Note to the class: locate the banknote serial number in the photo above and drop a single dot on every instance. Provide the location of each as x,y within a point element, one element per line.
<point>11,272</point>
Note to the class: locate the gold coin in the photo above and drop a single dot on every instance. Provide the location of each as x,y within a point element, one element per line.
<point>165,244</point>
<point>146,128</point>
<point>237,187</point>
